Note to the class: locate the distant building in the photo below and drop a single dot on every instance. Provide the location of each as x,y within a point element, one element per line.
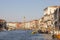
<point>27,25</point>
<point>19,25</point>
<point>11,25</point>
<point>2,24</point>
<point>34,24</point>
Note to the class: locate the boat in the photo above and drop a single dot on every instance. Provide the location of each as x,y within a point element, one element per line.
<point>56,35</point>
<point>34,32</point>
<point>43,32</point>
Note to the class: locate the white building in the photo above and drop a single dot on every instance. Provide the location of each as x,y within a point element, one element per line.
<point>11,25</point>
<point>42,24</point>
<point>27,25</point>
<point>52,15</point>
<point>50,10</point>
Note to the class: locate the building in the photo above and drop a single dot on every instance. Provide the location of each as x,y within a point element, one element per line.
<point>42,25</point>
<point>34,24</point>
<point>52,16</point>
<point>50,10</point>
<point>49,21</point>
<point>2,24</point>
<point>19,25</point>
<point>27,25</point>
<point>11,25</point>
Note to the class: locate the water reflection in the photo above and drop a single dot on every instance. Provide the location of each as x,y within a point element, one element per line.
<point>23,35</point>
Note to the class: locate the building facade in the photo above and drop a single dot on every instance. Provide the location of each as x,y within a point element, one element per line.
<point>2,24</point>
<point>52,15</point>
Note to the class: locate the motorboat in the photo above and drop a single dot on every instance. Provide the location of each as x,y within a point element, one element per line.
<point>56,34</point>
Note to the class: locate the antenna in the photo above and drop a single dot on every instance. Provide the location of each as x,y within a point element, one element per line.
<point>24,21</point>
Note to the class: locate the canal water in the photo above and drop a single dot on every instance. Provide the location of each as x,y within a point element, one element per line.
<point>23,35</point>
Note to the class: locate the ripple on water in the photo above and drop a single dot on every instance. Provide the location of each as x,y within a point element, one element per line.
<point>21,35</point>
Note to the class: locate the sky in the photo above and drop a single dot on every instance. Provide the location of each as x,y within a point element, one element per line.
<point>15,10</point>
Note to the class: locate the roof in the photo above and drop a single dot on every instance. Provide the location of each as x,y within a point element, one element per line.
<point>2,20</point>
<point>52,7</point>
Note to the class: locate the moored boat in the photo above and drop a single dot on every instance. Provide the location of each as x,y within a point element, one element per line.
<point>56,34</point>
<point>43,32</point>
<point>34,32</point>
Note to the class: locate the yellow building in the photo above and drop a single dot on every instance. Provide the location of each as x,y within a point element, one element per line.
<point>34,24</point>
